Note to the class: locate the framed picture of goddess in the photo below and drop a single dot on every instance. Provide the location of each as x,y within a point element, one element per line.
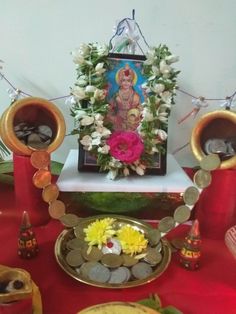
<point>125,97</point>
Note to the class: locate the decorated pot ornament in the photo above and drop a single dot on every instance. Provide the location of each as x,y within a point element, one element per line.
<point>190,252</point>
<point>27,243</point>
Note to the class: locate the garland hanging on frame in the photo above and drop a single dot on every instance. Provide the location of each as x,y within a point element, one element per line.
<point>121,151</point>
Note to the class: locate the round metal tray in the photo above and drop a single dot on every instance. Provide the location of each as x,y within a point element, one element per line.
<point>67,234</point>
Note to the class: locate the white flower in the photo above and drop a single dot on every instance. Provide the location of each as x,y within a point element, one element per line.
<point>101,131</point>
<point>147,115</point>
<point>158,88</point>
<point>84,49</point>
<point>126,171</point>
<point>82,81</point>
<point>171,59</point>
<point>166,97</point>
<point>104,149</point>
<point>154,150</point>
<point>102,50</point>
<point>78,92</point>
<point>87,120</point>
<point>80,114</point>
<point>162,134</point>
<point>98,117</point>
<point>99,94</point>
<point>112,174</point>
<point>164,68</point>
<point>151,57</point>
<point>86,142</point>
<point>77,57</point>
<point>96,141</point>
<point>99,68</point>
<point>139,170</point>
<point>114,163</point>
<point>90,89</point>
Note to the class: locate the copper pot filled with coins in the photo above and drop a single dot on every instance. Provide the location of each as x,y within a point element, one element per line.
<point>31,125</point>
<point>215,133</point>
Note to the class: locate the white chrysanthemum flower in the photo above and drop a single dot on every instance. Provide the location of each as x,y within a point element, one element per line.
<point>104,149</point>
<point>98,117</point>
<point>87,120</point>
<point>172,59</point>
<point>78,92</point>
<point>96,141</point>
<point>161,133</point>
<point>140,171</point>
<point>82,81</point>
<point>155,150</point>
<point>114,163</point>
<point>84,49</point>
<point>99,94</point>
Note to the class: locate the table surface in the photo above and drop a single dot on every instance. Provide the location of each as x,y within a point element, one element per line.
<point>211,289</point>
<point>71,180</point>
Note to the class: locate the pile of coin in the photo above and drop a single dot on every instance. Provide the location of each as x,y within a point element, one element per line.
<point>112,266</point>
<point>225,148</point>
<point>37,137</point>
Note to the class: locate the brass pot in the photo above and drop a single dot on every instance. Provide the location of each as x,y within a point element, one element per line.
<point>219,124</point>
<point>36,111</point>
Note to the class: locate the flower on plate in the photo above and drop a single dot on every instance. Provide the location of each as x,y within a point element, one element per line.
<point>132,241</point>
<point>125,146</point>
<point>99,232</point>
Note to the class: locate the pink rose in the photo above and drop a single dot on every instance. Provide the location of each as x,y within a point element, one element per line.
<point>125,146</point>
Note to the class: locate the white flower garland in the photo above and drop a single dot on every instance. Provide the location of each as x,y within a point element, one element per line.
<point>90,107</point>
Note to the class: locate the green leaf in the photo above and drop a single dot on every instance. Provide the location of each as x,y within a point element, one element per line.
<point>6,179</point>
<point>150,303</point>
<point>170,310</point>
<point>56,167</point>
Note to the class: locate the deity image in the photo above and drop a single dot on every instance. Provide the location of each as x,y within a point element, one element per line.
<point>125,104</point>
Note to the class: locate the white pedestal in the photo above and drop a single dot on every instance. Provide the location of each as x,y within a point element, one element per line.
<point>70,180</point>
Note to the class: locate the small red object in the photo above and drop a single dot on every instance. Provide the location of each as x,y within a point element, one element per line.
<point>190,253</point>
<point>27,243</point>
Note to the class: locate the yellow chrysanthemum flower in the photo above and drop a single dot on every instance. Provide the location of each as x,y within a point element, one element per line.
<point>99,231</point>
<point>132,241</point>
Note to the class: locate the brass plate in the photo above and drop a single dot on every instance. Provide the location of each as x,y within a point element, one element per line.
<point>67,234</point>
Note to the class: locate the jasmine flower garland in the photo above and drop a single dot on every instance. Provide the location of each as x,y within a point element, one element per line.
<point>90,108</point>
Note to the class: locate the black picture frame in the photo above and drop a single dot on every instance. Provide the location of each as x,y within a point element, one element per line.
<point>86,162</point>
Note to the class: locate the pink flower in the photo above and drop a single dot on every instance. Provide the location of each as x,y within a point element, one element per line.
<point>125,146</point>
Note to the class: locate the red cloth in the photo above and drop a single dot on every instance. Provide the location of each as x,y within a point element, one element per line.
<point>211,289</point>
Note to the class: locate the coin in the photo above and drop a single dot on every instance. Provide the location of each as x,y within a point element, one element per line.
<point>218,146</point>
<point>85,268</point>
<point>44,132</point>
<point>182,213</point>
<point>153,257</point>
<point>40,159</point>
<point>191,195</point>
<point>75,243</point>
<point>129,260</point>
<point>74,258</point>
<point>154,236</point>
<point>99,273</point>
<point>210,162</point>
<point>91,255</point>
<point>166,224</point>
<point>57,209</point>
<point>34,141</point>
<point>111,260</point>
<point>50,193</point>
<point>141,270</point>
<point>202,178</point>
<point>42,178</point>
<point>79,232</point>
<point>69,220</point>
<point>119,275</point>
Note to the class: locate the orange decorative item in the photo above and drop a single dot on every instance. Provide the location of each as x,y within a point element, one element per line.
<point>190,252</point>
<point>28,125</point>
<point>27,243</point>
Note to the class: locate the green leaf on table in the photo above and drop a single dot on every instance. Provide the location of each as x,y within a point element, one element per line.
<point>154,302</point>
<point>56,167</point>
